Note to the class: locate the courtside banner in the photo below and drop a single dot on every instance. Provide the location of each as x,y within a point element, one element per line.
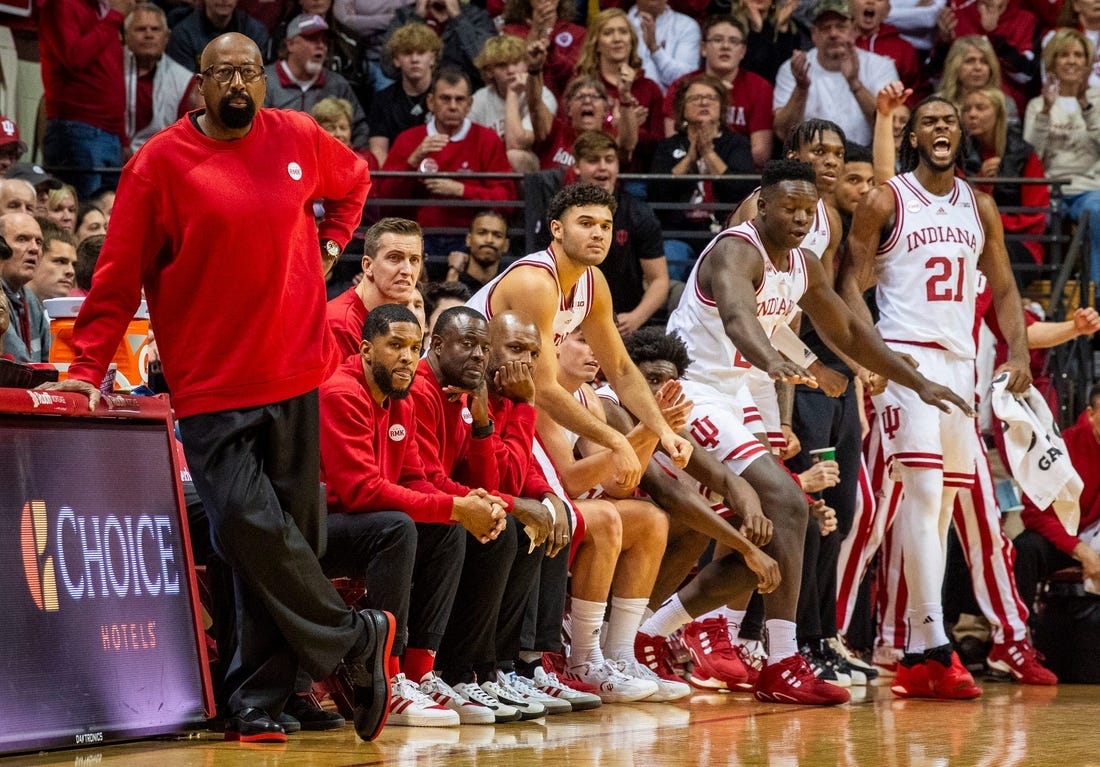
<point>101,620</point>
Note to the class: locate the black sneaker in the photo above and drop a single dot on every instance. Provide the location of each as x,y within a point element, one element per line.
<point>311,716</point>
<point>367,673</point>
<point>289,724</point>
<point>822,667</point>
<point>837,660</point>
<point>254,725</point>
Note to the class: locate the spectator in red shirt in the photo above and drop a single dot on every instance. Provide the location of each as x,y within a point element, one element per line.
<point>875,35</point>
<point>586,107</point>
<point>81,49</point>
<point>749,101</point>
<point>610,53</point>
<point>448,143</point>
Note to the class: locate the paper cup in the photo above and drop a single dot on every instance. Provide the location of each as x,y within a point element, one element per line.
<point>823,454</point>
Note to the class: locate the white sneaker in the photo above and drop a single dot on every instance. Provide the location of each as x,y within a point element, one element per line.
<point>553,704</point>
<point>528,707</point>
<point>885,660</point>
<point>502,713</point>
<point>667,689</point>
<point>613,686</point>
<point>469,712</point>
<point>549,684</point>
<point>411,708</point>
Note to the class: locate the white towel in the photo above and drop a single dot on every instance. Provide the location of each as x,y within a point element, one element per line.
<point>1037,455</point>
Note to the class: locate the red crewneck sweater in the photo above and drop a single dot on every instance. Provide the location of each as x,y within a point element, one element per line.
<point>221,236</point>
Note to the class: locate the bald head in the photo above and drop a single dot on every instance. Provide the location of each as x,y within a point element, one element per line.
<point>509,322</point>
<point>514,345</point>
<point>231,44</point>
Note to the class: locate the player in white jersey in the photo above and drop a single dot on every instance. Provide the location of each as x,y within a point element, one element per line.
<point>820,143</point>
<point>561,290</point>
<point>937,232</point>
<point>722,300</point>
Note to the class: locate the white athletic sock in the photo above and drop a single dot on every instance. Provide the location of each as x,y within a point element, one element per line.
<point>781,639</point>
<point>715,613</point>
<point>926,628</point>
<point>734,619</point>
<point>669,616</point>
<point>587,621</point>
<point>626,616</point>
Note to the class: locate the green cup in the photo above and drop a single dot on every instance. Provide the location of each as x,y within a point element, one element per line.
<point>823,454</point>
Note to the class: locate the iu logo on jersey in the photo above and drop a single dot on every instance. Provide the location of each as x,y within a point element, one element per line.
<point>891,420</point>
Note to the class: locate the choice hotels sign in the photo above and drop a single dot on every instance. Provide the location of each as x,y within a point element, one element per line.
<point>101,632</point>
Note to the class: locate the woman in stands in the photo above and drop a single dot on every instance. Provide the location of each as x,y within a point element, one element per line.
<point>971,65</point>
<point>610,52</point>
<point>1063,124</point>
<point>702,144</point>
<point>994,149</point>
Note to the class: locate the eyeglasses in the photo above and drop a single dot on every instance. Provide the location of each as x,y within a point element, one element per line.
<point>731,41</point>
<point>699,98</point>
<point>589,97</point>
<point>223,73</point>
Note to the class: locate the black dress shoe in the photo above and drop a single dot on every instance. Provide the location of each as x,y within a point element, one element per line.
<point>311,716</point>
<point>367,671</point>
<point>254,725</point>
<point>289,723</point>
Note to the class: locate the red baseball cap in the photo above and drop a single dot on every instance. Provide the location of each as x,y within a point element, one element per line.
<point>9,134</point>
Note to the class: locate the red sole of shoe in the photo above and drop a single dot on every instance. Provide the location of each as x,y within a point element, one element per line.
<point>267,737</point>
<point>384,664</point>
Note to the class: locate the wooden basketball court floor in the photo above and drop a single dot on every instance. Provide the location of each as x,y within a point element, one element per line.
<point>1010,726</point>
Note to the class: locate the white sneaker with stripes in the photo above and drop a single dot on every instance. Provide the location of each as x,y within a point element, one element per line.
<point>409,707</point>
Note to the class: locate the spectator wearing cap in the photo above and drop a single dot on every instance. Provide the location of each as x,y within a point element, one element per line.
<point>208,20</point>
<point>300,80</point>
<point>159,90</point>
<point>80,43</point>
<point>834,80</point>
<point>11,148</point>
<point>41,181</point>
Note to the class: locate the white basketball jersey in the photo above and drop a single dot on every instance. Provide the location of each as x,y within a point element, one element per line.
<point>571,310</point>
<point>715,359</point>
<point>816,241</point>
<point>926,269</point>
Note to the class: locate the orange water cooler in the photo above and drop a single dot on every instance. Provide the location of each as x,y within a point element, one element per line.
<point>130,357</point>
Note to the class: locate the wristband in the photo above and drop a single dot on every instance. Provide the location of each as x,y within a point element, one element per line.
<point>549,505</point>
<point>481,432</point>
<point>790,346</point>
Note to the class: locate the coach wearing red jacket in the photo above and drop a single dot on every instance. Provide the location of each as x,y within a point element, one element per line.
<point>387,523</point>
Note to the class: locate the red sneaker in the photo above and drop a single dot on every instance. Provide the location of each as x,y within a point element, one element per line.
<point>717,665</point>
<point>753,658</point>
<point>791,681</point>
<point>1021,660</point>
<point>932,679</point>
<point>653,652</point>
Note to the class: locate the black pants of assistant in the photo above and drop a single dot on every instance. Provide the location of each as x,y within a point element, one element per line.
<point>1036,558</point>
<point>541,631</point>
<point>519,592</point>
<point>256,471</point>
<point>822,421</point>
<point>470,641</point>
<point>411,569</point>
